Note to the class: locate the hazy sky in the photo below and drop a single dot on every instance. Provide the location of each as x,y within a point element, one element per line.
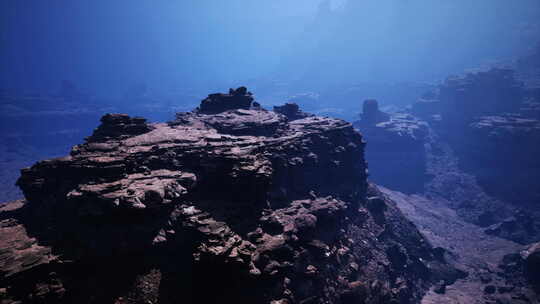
<point>412,40</point>
<point>107,46</point>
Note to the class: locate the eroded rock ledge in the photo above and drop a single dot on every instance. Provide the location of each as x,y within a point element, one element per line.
<point>229,203</point>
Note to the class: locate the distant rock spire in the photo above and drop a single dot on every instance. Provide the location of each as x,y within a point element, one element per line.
<point>371,113</point>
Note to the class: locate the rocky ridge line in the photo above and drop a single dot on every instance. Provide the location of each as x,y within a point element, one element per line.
<point>228,203</point>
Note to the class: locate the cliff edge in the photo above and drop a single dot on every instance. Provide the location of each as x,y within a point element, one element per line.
<point>229,203</point>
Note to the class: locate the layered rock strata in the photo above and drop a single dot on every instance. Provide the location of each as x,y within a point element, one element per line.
<point>479,94</point>
<point>513,143</point>
<point>492,123</point>
<point>242,205</point>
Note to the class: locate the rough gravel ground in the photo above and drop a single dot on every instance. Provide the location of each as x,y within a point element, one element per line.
<point>469,247</point>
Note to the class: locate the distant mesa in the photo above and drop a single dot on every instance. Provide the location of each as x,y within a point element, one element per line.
<point>492,121</point>
<point>395,147</point>
<point>371,113</point>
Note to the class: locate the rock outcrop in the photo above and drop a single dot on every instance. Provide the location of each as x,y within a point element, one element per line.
<point>118,126</point>
<point>522,269</point>
<point>492,123</point>
<point>371,114</point>
<point>291,111</point>
<point>462,99</point>
<point>503,153</point>
<point>224,204</point>
<point>217,103</point>
<point>395,150</point>
<point>479,94</point>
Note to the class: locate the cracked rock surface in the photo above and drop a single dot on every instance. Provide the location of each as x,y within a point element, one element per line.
<point>227,204</point>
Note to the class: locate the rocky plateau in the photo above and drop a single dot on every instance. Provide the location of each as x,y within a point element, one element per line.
<point>229,203</point>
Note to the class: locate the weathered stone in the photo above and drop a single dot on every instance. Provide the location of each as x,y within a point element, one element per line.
<point>242,205</point>
<point>217,103</point>
<point>291,111</point>
<point>119,125</point>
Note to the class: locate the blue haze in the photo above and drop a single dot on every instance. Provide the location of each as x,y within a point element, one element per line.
<point>106,46</point>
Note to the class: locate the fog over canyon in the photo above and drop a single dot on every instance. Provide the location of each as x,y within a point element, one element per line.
<point>280,152</point>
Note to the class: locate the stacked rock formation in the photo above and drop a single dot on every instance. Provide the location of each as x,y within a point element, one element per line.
<point>117,126</point>
<point>371,114</point>
<point>291,111</point>
<point>395,150</point>
<point>237,206</point>
<point>217,103</point>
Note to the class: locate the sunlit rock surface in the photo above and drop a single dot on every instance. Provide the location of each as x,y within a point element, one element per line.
<point>242,205</point>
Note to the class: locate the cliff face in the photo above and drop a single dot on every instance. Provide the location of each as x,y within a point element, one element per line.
<point>491,120</point>
<point>478,94</point>
<point>395,149</point>
<point>514,142</point>
<point>229,203</point>
<point>492,123</point>
<point>461,99</point>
